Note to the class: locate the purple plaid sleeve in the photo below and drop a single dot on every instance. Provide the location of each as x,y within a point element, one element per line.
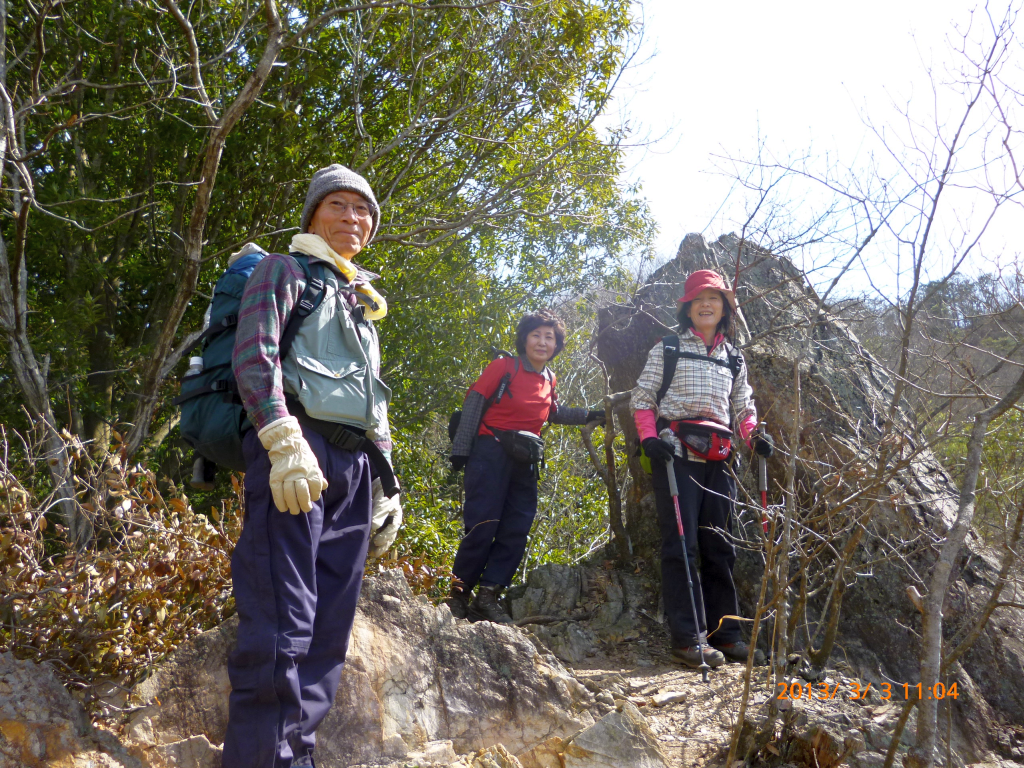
<point>270,293</point>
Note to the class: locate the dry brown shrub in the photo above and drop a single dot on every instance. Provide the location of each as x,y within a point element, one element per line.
<point>156,573</point>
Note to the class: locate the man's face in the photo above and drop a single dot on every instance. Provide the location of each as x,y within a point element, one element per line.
<point>344,220</point>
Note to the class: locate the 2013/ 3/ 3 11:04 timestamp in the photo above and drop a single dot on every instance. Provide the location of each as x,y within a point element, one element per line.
<point>855,691</point>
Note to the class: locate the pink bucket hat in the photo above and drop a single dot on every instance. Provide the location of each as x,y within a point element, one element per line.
<point>706,278</point>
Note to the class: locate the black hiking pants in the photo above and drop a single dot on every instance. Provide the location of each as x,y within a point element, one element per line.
<point>501,502</point>
<point>706,494</point>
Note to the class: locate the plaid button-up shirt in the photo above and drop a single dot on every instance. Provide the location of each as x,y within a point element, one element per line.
<point>699,390</point>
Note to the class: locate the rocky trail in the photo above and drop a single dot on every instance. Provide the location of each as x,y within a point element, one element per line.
<point>693,721</point>
<point>424,690</point>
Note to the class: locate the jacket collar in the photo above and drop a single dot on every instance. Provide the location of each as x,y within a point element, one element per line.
<point>689,333</point>
<point>528,366</point>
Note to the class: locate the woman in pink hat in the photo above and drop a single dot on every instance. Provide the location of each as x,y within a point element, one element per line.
<point>690,403</point>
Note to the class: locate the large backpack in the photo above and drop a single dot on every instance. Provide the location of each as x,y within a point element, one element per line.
<point>456,418</point>
<point>213,418</point>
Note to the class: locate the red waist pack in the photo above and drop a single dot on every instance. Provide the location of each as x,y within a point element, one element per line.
<point>706,439</point>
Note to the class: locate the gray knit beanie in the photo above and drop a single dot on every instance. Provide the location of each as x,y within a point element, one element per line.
<point>337,178</point>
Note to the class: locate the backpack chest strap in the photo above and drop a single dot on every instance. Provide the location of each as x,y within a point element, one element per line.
<point>672,354</point>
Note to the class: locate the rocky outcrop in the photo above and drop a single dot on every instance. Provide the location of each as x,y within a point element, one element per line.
<point>845,402</point>
<point>620,739</point>
<point>600,605</point>
<point>414,676</point>
<point>846,392</point>
<point>419,687</point>
<point>41,724</point>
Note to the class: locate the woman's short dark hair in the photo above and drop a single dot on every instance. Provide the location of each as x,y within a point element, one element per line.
<point>531,322</point>
<point>726,326</point>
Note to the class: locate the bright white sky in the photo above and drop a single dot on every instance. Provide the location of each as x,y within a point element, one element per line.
<point>712,76</point>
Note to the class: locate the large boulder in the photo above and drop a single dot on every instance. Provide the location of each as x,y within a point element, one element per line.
<point>845,406</point>
<point>597,605</point>
<point>620,739</point>
<point>414,675</point>
<point>845,391</point>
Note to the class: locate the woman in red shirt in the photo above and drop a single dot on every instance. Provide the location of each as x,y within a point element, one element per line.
<point>498,443</point>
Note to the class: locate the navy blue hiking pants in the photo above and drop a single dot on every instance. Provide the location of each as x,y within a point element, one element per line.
<point>296,581</point>
<point>706,494</point>
<point>501,502</point>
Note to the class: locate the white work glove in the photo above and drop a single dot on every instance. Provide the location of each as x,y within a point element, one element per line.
<point>295,477</point>
<point>387,519</point>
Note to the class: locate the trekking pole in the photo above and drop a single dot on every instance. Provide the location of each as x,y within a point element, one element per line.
<point>673,488</point>
<point>762,482</point>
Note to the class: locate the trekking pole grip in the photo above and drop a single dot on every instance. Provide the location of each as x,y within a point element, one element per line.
<point>673,487</point>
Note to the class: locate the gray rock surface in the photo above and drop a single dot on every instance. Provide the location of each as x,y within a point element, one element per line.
<point>550,590</point>
<point>39,720</point>
<point>603,605</point>
<point>618,740</point>
<point>567,640</point>
<point>414,675</point>
<point>41,724</point>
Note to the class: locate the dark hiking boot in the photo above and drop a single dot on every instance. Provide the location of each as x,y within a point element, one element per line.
<point>690,656</point>
<point>485,607</point>
<point>738,651</point>
<point>306,761</point>
<point>458,602</point>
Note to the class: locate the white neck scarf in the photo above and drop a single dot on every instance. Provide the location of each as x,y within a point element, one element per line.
<point>316,247</point>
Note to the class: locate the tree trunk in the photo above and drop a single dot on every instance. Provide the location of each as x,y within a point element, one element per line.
<point>31,377</point>
<point>923,753</point>
<point>188,275</point>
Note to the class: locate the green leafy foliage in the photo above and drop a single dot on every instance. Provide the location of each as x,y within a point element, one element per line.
<point>1001,484</point>
<point>498,195</point>
<point>572,509</point>
<point>475,130</point>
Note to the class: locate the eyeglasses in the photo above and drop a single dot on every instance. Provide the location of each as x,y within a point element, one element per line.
<point>361,210</point>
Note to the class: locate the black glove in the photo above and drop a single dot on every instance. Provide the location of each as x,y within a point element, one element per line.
<point>458,462</point>
<point>597,416</point>
<point>762,445</point>
<point>657,449</point>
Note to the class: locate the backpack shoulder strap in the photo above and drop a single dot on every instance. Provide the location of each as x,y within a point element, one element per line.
<point>226,322</point>
<point>310,299</point>
<point>553,381</point>
<point>503,384</point>
<point>670,349</point>
<point>735,360</point>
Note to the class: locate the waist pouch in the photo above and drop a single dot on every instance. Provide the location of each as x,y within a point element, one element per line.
<point>706,439</point>
<point>521,447</point>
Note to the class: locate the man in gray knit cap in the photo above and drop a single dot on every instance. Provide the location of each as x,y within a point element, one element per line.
<point>321,451</point>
